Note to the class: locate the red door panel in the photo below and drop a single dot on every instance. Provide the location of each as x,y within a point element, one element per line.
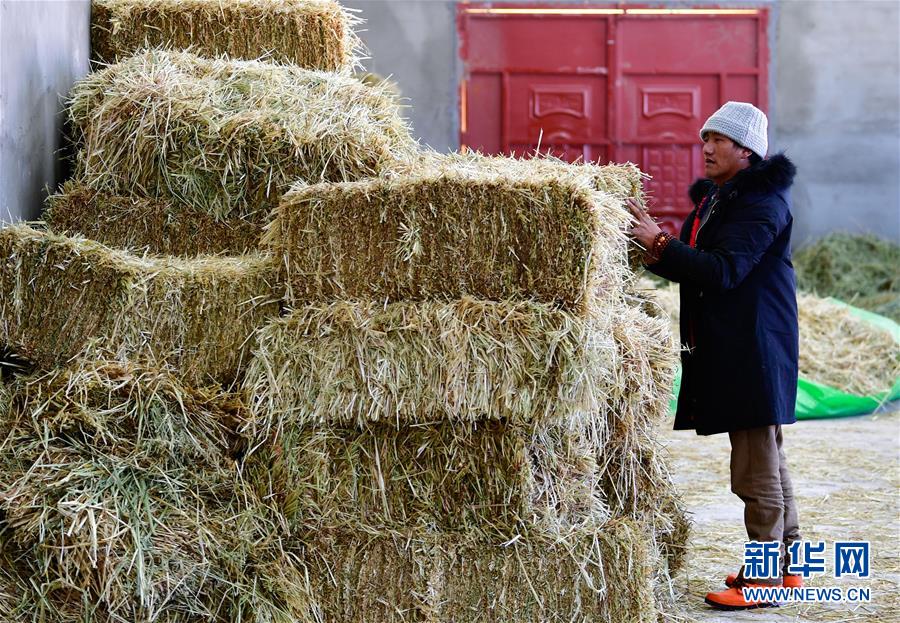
<point>706,43</point>
<point>600,83</point>
<point>501,42</point>
<point>666,108</point>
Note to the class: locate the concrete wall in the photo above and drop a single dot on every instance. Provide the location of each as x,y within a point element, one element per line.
<point>414,41</point>
<point>838,100</point>
<point>44,48</point>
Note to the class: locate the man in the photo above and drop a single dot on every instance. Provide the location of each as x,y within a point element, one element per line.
<point>738,322</point>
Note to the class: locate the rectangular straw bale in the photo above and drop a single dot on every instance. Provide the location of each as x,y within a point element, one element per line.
<point>421,362</point>
<point>227,136</point>
<point>647,363</point>
<point>493,233</point>
<point>458,414</point>
<point>313,34</point>
<point>589,575</point>
<point>62,296</point>
<point>136,539</point>
<point>635,479</point>
<point>490,477</point>
<point>147,225</point>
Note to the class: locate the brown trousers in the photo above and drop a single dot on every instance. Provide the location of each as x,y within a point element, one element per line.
<point>759,476</point>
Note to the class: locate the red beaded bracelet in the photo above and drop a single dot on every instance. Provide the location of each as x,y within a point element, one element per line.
<point>659,245</point>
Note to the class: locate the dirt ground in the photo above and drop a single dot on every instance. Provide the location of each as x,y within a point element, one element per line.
<point>846,475</point>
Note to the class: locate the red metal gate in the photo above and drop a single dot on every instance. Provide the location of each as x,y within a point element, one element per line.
<point>608,84</point>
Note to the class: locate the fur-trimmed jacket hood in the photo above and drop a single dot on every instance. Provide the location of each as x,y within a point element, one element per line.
<point>773,174</point>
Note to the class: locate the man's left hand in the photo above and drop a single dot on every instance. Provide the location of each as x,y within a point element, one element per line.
<point>646,229</point>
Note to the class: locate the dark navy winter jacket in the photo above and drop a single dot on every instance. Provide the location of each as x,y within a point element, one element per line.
<point>738,304</point>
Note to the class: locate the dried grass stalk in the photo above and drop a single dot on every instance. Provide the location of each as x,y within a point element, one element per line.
<point>465,415</point>
<point>144,225</point>
<point>313,34</point>
<point>488,478</point>
<point>591,575</point>
<point>506,230</point>
<point>843,351</point>
<point>422,362</point>
<point>227,136</point>
<point>861,270</point>
<point>62,296</point>
<point>118,502</point>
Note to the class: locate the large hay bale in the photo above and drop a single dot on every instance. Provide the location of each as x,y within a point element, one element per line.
<point>647,363</point>
<point>226,136</point>
<point>140,224</point>
<point>313,34</point>
<point>590,575</point>
<point>489,478</point>
<point>465,415</point>
<point>119,501</point>
<point>62,296</point>
<point>634,475</point>
<point>419,362</point>
<point>510,230</point>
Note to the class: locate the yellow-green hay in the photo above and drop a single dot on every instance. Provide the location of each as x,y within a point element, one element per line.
<point>373,79</point>
<point>843,351</point>
<point>591,575</point>
<point>313,34</point>
<point>619,180</point>
<point>636,480</point>
<point>145,225</point>
<point>465,415</point>
<point>423,362</point>
<point>62,296</point>
<point>227,136</point>
<point>492,233</point>
<point>119,501</point>
<point>647,363</point>
<point>488,478</point>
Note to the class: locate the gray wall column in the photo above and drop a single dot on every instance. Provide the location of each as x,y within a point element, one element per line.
<point>44,49</point>
<point>838,101</point>
<point>414,41</point>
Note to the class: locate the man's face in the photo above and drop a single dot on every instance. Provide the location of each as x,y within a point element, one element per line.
<point>723,158</point>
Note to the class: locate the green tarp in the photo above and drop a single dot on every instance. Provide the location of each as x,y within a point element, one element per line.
<point>816,401</point>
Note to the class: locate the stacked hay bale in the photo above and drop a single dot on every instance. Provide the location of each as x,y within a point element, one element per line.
<point>312,34</point>
<point>461,372</point>
<point>119,502</point>
<point>64,297</point>
<point>175,149</point>
<point>452,422</point>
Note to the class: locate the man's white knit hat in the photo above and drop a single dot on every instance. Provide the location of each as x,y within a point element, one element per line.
<point>743,123</point>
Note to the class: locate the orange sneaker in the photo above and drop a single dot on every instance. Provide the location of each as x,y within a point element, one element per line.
<point>733,599</point>
<point>790,581</point>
